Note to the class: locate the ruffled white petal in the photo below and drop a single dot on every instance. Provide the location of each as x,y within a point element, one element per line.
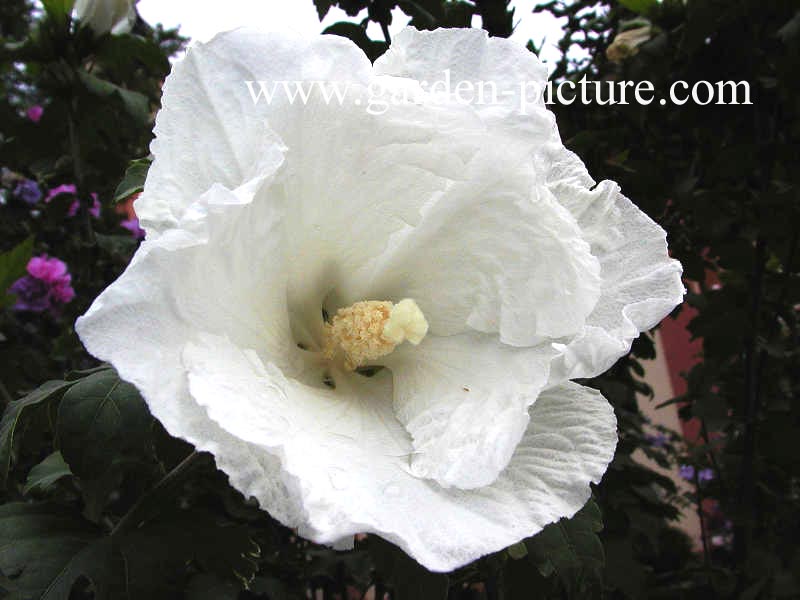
<point>495,253</point>
<point>142,323</point>
<point>464,400</point>
<point>467,55</point>
<point>640,284</point>
<point>208,130</point>
<point>350,456</point>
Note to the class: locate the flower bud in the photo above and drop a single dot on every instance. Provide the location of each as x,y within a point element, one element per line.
<point>104,16</point>
<point>627,43</point>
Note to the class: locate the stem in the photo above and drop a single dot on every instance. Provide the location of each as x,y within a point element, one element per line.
<point>380,590</point>
<point>84,199</point>
<point>703,529</point>
<point>712,457</point>
<point>494,585</point>
<point>385,30</point>
<point>141,511</point>
<point>752,365</point>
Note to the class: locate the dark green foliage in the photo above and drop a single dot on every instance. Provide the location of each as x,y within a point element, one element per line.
<point>12,267</point>
<point>403,575</point>
<point>46,473</point>
<point>571,550</point>
<point>101,420</point>
<point>17,414</point>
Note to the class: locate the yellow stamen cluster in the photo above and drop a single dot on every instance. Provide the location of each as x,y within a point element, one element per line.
<point>368,330</point>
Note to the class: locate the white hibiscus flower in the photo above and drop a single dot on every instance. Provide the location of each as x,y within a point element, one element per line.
<point>291,247</point>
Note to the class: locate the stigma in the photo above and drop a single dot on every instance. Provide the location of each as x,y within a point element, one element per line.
<point>366,331</point>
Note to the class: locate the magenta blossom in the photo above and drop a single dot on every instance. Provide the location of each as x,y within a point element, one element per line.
<point>94,210</point>
<point>64,188</point>
<point>35,113</point>
<point>69,188</point>
<point>132,225</point>
<point>47,286</point>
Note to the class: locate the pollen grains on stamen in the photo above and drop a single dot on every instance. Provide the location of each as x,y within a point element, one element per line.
<point>370,329</point>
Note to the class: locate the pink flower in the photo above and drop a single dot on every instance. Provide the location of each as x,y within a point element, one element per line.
<point>94,210</point>
<point>64,188</point>
<point>49,270</point>
<point>47,286</point>
<point>35,113</point>
<point>132,225</point>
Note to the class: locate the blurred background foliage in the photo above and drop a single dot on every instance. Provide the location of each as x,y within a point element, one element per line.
<point>99,502</point>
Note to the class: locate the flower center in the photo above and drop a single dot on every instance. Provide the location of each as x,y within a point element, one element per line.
<point>370,329</point>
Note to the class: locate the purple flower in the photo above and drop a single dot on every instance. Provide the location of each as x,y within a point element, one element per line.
<point>705,475</point>
<point>64,188</point>
<point>28,191</point>
<point>94,210</point>
<point>686,472</point>
<point>47,286</point>
<point>132,225</point>
<point>35,113</point>
<point>658,440</point>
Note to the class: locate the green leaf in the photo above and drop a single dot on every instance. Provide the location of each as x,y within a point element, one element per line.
<point>571,549</point>
<point>125,52</point>
<point>207,586</point>
<point>408,579</point>
<point>58,9</point>
<point>136,104</point>
<point>46,473</point>
<point>15,412</point>
<point>12,267</point>
<point>358,35</point>
<point>101,420</point>
<point>96,560</point>
<point>517,551</point>
<point>639,6</point>
<point>155,551</point>
<point>117,246</point>
<point>51,549</point>
<point>323,6</point>
<point>134,179</point>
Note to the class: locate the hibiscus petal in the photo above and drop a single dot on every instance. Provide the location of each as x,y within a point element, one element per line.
<point>640,286</point>
<point>467,55</point>
<point>464,399</point>
<point>197,276</point>
<point>495,253</point>
<point>208,132</point>
<point>348,455</point>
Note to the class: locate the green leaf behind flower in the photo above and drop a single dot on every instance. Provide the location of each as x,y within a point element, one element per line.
<point>46,473</point>
<point>15,413</point>
<point>572,550</point>
<point>12,267</point>
<point>408,579</point>
<point>134,179</point>
<point>101,419</point>
<point>51,549</point>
